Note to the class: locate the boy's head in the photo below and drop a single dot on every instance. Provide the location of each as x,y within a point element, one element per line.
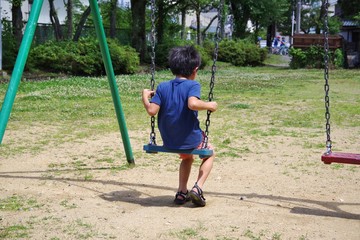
<point>184,60</point>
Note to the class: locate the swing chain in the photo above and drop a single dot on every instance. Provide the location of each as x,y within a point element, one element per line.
<point>152,67</point>
<point>213,71</point>
<point>326,77</point>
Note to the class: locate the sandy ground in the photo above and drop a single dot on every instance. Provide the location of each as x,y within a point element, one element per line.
<point>272,191</point>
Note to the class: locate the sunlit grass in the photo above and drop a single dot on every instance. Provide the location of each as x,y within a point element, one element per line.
<point>258,102</point>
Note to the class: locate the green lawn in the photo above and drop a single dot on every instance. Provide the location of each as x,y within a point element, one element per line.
<point>258,101</point>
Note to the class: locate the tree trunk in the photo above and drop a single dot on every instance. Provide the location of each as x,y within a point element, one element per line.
<point>69,10</point>
<point>270,35</point>
<point>55,21</point>
<point>113,18</point>
<point>183,23</point>
<point>160,22</point>
<point>321,16</point>
<point>17,22</point>
<point>138,38</point>
<point>241,14</point>
<point>198,27</point>
<point>82,21</point>
<point>208,26</point>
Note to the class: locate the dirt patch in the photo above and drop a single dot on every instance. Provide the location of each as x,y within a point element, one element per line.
<point>275,189</point>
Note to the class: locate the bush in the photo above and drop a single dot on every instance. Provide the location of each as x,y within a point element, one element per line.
<point>230,53</point>
<point>82,57</point>
<point>241,53</point>
<point>339,58</point>
<point>162,52</point>
<point>313,57</point>
<point>125,59</point>
<point>86,57</point>
<point>9,50</point>
<point>298,59</point>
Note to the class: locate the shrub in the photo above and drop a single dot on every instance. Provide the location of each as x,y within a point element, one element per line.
<point>209,47</point>
<point>82,57</point>
<point>339,58</point>
<point>205,57</point>
<point>298,59</point>
<point>162,52</point>
<point>241,53</point>
<point>86,57</point>
<point>313,57</point>
<point>125,59</point>
<point>230,52</point>
<point>49,57</point>
<point>9,50</point>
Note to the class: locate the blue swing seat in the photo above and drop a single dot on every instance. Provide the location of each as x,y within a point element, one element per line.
<point>203,153</point>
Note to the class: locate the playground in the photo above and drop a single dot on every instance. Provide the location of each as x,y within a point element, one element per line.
<point>64,173</point>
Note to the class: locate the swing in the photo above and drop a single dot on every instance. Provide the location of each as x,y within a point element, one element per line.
<point>204,152</point>
<point>332,157</point>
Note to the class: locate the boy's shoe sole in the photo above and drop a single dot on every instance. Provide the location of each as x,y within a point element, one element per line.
<point>197,199</point>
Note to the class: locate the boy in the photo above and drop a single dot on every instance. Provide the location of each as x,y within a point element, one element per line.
<point>177,103</point>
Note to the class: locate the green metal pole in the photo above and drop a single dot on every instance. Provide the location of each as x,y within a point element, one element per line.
<point>19,66</point>
<point>111,77</point>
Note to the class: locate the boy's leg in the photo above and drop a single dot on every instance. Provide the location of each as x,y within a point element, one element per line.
<point>184,172</point>
<point>196,193</point>
<point>204,170</point>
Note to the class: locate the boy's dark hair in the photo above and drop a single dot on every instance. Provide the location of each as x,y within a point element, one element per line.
<point>183,60</point>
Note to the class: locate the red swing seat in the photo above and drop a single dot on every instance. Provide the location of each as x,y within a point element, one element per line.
<point>336,157</point>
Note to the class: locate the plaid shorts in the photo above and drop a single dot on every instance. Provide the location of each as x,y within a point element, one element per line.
<point>209,146</point>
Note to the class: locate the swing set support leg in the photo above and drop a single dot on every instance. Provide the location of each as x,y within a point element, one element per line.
<point>23,55</point>
<point>99,28</point>
<point>19,66</point>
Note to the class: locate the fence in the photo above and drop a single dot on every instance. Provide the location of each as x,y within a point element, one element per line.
<point>307,40</point>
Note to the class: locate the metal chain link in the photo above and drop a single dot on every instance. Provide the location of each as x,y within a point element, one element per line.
<point>213,71</point>
<point>152,68</point>
<point>326,77</point>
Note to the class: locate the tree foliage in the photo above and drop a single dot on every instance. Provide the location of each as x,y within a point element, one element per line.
<point>350,8</point>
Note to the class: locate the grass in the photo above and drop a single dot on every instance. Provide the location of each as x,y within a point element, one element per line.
<point>279,98</point>
<point>14,232</point>
<point>18,203</point>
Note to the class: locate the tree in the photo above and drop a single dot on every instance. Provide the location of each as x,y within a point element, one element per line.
<point>241,11</point>
<point>163,10</point>
<point>69,20</point>
<point>81,23</point>
<point>113,7</point>
<point>200,6</point>
<point>138,38</point>
<point>312,18</point>
<point>350,8</point>
<point>55,21</point>
<point>263,14</point>
<point>17,20</point>
<point>183,10</point>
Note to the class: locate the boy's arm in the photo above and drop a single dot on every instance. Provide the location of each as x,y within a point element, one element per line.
<point>151,108</point>
<point>196,104</point>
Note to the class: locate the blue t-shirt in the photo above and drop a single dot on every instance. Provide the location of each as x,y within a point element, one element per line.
<point>178,125</point>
